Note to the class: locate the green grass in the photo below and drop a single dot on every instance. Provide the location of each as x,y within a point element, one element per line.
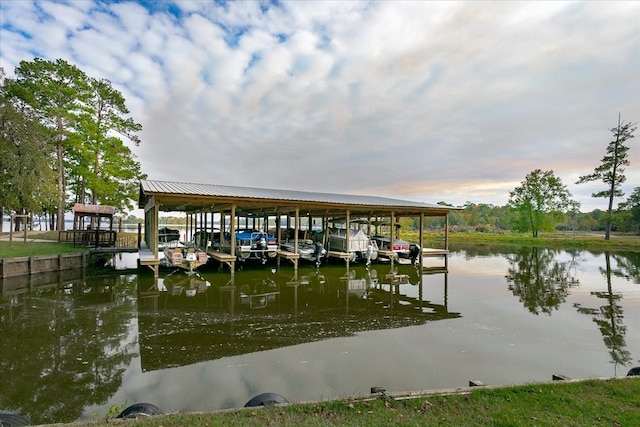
<point>21,249</point>
<point>614,402</point>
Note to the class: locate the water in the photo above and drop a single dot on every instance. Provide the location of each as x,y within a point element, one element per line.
<point>76,343</point>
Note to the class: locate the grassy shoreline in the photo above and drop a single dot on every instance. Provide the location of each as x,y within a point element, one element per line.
<point>592,402</point>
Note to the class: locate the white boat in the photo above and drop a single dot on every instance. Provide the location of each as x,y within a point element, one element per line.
<point>402,250</point>
<point>360,247</point>
<point>252,244</point>
<point>184,256</point>
<point>307,249</point>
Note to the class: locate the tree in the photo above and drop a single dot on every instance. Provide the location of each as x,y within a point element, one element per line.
<point>611,169</point>
<point>54,92</point>
<point>632,205</point>
<point>540,199</point>
<point>104,166</point>
<point>88,119</point>
<point>26,169</point>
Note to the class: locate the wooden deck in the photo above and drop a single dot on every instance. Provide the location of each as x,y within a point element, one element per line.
<point>427,252</point>
<point>336,254</point>
<point>432,252</point>
<point>288,255</point>
<point>147,257</point>
<point>223,258</point>
<point>114,250</point>
<point>293,257</point>
<point>386,253</point>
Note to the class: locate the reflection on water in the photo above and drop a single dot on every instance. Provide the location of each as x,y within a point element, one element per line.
<point>76,342</point>
<point>540,279</point>
<point>609,316</point>
<point>65,344</point>
<point>252,312</point>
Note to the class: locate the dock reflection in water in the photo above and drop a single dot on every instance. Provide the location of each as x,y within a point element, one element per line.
<point>76,343</point>
<point>186,320</point>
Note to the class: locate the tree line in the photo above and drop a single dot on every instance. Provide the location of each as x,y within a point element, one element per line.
<point>488,218</point>
<point>63,140</point>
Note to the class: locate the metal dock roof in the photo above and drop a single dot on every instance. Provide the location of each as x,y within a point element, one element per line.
<point>190,197</point>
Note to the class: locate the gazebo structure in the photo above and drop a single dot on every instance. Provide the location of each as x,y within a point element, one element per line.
<point>231,204</point>
<point>93,226</point>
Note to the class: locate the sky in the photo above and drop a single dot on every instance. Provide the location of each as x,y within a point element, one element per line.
<point>421,100</point>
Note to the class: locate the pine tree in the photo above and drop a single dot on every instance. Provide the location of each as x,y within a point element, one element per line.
<point>611,169</point>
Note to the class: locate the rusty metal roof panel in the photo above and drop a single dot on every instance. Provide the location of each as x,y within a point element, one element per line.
<point>94,209</point>
<point>151,187</point>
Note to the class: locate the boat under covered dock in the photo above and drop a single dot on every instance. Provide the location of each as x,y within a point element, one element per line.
<point>235,208</point>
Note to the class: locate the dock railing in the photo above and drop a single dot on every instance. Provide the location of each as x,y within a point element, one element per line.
<point>89,238</point>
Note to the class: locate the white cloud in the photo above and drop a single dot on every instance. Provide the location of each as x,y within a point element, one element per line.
<point>452,101</point>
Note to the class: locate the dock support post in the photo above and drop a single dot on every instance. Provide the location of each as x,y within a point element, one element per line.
<point>347,232</point>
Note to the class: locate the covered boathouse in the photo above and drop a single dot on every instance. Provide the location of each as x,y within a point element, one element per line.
<point>230,204</point>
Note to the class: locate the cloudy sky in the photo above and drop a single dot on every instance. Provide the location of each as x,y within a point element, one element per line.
<point>426,101</point>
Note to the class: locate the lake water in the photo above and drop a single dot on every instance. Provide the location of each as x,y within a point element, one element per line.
<point>74,344</point>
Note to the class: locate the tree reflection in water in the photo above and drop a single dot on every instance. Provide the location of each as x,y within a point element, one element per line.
<point>609,316</point>
<point>539,279</point>
<point>68,341</point>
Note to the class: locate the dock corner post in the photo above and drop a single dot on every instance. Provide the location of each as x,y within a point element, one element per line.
<point>392,236</point>
<point>10,231</point>
<point>421,241</point>
<point>347,231</point>
<point>232,230</point>
<point>446,231</point>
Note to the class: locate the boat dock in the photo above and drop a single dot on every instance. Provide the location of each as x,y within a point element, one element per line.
<point>278,212</point>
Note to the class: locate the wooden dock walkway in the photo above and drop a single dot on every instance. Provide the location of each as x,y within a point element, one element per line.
<point>433,252</point>
<point>337,254</point>
<point>147,257</point>
<point>293,257</point>
<point>114,250</point>
<point>223,258</point>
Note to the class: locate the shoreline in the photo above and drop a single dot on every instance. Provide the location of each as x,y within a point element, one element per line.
<point>392,402</point>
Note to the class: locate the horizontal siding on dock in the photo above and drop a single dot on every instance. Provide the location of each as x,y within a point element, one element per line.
<point>37,264</point>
